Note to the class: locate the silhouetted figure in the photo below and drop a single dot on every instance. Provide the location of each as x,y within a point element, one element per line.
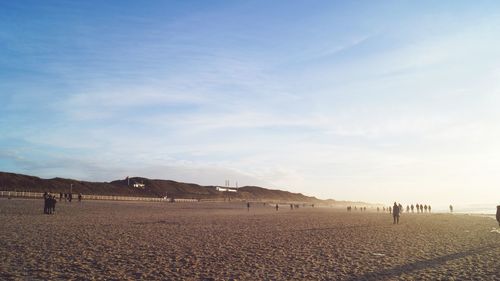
<point>498,215</point>
<point>421,208</point>
<point>378,209</point>
<point>248,206</point>
<point>425,208</point>
<point>45,202</point>
<point>364,209</point>
<point>52,204</point>
<point>451,209</point>
<point>407,208</point>
<point>70,197</point>
<point>60,196</point>
<point>418,208</point>
<point>65,197</point>
<point>291,206</point>
<point>277,207</point>
<point>395,213</point>
<point>429,208</point>
<point>390,210</point>
<point>400,208</point>
<point>79,197</point>
<point>412,207</point>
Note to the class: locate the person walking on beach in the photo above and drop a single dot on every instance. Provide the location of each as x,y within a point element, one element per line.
<point>277,207</point>
<point>498,214</point>
<point>412,207</point>
<point>390,210</point>
<point>429,208</point>
<point>451,209</point>
<point>395,213</point>
<point>421,208</point>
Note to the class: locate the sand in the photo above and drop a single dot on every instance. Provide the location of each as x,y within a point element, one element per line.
<point>96,240</point>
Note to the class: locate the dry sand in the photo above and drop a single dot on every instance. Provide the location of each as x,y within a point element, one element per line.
<point>217,241</point>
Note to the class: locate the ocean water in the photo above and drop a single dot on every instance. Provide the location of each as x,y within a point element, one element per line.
<point>484,209</point>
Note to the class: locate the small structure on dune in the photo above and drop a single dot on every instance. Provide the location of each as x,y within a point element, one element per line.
<point>136,184</point>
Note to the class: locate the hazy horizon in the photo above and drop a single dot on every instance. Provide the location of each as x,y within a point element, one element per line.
<point>362,101</point>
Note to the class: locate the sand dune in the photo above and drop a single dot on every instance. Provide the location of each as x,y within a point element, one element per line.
<point>216,241</point>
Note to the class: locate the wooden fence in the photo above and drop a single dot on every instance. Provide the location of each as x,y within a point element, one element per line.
<point>25,194</point>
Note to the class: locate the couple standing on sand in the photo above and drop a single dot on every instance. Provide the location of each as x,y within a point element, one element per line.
<point>49,204</point>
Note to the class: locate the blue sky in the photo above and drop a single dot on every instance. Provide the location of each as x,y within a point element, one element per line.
<point>357,100</point>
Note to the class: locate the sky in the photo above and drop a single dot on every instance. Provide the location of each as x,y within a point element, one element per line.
<point>377,101</point>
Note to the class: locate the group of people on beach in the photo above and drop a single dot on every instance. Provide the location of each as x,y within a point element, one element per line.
<point>362,209</point>
<point>419,208</point>
<point>49,205</point>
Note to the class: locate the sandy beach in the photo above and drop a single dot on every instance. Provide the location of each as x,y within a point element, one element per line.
<point>96,240</point>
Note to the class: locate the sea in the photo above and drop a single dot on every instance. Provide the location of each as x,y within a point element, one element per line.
<point>473,209</point>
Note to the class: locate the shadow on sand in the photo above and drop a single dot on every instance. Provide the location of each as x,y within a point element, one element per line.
<point>407,268</point>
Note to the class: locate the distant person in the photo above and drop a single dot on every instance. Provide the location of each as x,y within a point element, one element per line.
<point>425,208</point>
<point>421,208</point>
<point>277,207</point>
<point>60,196</point>
<point>407,208</point>
<point>429,208</point>
<point>65,197</point>
<point>79,197</point>
<point>451,209</point>
<point>291,206</point>
<point>418,208</point>
<point>400,208</point>
<point>45,202</point>
<point>70,197</point>
<point>52,204</point>
<point>248,206</point>
<point>395,213</point>
<point>412,207</point>
<point>498,215</point>
<point>378,209</point>
<point>364,209</point>
<point>383,209</point>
